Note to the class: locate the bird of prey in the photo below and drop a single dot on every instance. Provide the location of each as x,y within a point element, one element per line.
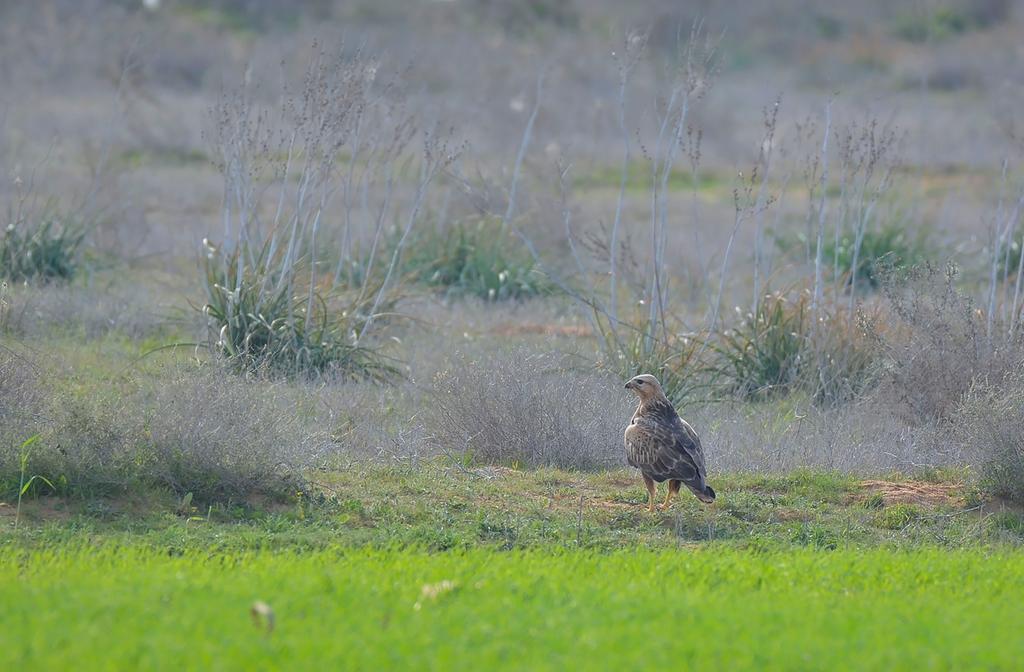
<point>663,446</point>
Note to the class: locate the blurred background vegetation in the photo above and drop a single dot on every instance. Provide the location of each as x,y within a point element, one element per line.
<point>805,217</point>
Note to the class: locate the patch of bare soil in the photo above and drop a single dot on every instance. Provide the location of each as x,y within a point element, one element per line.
<point>791,515</point>
<point>911,492</point>
<point>42,510</point>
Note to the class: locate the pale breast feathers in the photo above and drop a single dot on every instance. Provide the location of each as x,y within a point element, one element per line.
<point>646,438</point>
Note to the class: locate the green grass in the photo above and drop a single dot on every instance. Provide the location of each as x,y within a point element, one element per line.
<point>265,313</point>
<point>638,178</point>
<point>439,507</point>
<point>42,253</point>
<point>475,258</point>
<point>532,569</point>
<point>133,607</point>
<point>944,22</point>
<point>890,246</point>
<point>882,249</point>
<point>1011,260</point>
<point>178,157</point>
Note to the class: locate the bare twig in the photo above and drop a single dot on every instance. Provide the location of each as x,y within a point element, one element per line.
<point>523,146</point>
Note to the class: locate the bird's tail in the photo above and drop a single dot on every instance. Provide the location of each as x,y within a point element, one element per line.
<point>701,490</point>
<point>707,496</point>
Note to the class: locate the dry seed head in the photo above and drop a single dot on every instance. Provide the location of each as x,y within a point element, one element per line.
<point>432,591</point>
<point>262,615</point>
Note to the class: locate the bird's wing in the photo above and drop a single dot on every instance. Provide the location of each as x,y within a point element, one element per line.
<point>691,443</point>
<point>673,451</point>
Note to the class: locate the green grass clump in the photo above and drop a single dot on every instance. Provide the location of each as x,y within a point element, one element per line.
<point>949,20</point>
<point>937,25</point>
<point>774,351</point>
<point>133,607</point>
<point>882,249</point>
<point>637,344</point>
<point>268,314</point>
<point>822,486</point>
<point>889,246</point>
<point>764,354</point>
<point>779,349</point>
<point>480,259</point>
<point>44,253</point>
<point>1008,521</point>
<point>897,516</point>
<point>875,502</point>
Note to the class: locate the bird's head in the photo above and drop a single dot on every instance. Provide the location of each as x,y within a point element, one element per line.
<point>645,386</point>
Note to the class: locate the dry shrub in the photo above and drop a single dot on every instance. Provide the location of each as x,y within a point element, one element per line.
<point>845,355</point>
<point>372,423</point>
<point>793,432</point>
<point>88,447</point>
<point>990,425</point>
<point>21,398</point>
<point>221,437</point>
<point>23,412</point>
<point>187,429</point>
<point>938,345</point>
<point>526,409</point>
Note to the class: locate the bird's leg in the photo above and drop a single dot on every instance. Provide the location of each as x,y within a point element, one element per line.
<point>673,489</point>
<point>652,490</point>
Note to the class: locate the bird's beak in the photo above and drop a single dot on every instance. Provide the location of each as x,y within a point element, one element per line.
<point>629,385</point>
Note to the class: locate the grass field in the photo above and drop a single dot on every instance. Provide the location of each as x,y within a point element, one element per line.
<point>435,506</point>
<point>135,607</point>
<point>438,567</point>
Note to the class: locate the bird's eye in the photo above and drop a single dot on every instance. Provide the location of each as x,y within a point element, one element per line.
<point>639,382</point>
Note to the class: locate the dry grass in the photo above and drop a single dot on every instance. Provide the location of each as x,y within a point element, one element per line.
<point>21,398</point>
<point>990,424</point>
<point>220,437</point>
<point>787,434</point>
<point>91,312</point>
<point>937,346</point>
<point>527,409</point>
<point>186,429</point>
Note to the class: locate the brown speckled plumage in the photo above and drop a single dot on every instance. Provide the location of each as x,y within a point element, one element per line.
<point>662,445</point>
